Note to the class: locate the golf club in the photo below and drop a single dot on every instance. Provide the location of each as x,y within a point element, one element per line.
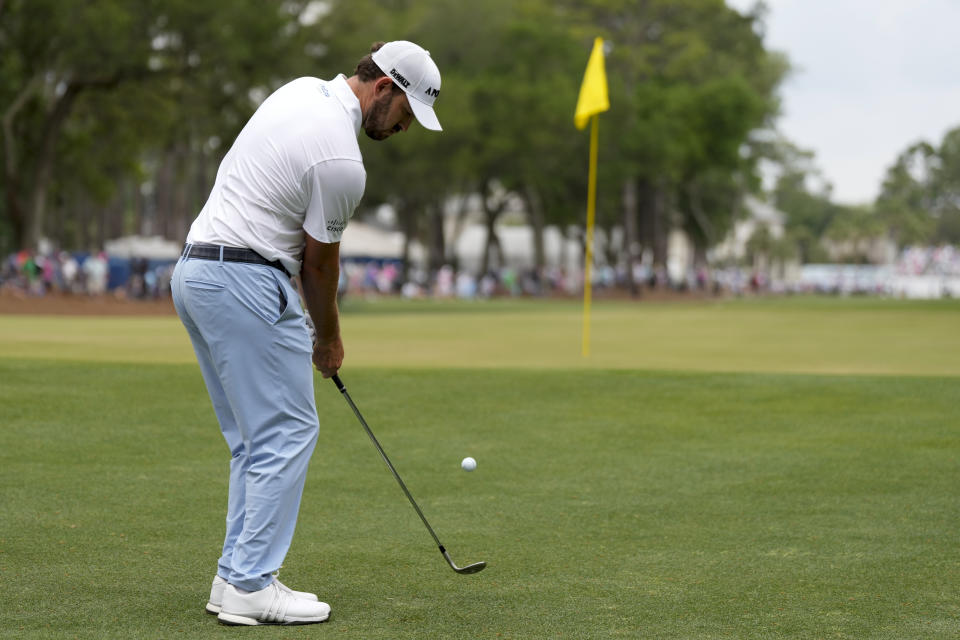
<point>470,568</point>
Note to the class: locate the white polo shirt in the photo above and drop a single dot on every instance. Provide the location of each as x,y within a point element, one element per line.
<point>295,167</point>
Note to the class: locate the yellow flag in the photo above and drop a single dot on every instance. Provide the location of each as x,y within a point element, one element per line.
<point>593,92</point>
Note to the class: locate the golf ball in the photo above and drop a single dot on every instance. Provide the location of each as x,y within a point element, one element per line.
<point>468,464</point>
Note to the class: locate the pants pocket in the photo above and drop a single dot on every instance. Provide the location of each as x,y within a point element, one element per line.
<point>205,285</point>
<point>283,298</point>
<point>263,294</point>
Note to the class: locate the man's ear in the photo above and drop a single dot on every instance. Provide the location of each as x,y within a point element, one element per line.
<point>382,84</point>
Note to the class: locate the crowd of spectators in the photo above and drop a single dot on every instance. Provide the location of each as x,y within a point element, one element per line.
<point>31,273</point>
<point>386,278</point>
<point>939,261</point>
<point>37,274</point>
<point>96,274</point>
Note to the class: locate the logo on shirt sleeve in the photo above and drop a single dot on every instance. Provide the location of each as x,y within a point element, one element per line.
<point>337,226</point>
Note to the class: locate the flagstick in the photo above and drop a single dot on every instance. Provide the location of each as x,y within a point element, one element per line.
<point>591,214</point>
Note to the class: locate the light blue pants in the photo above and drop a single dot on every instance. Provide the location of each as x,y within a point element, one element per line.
<point>248,331</point>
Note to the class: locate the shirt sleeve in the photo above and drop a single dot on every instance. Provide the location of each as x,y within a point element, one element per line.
<point>335,188</point>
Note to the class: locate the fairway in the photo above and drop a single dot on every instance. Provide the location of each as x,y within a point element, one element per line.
<point>738,470</point>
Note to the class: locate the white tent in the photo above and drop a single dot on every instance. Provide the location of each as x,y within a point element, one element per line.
<point>150,247</point>
<point>517,245</point>
<point>361,240</point>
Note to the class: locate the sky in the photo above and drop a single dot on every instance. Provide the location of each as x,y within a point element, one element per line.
<point>871,77</point>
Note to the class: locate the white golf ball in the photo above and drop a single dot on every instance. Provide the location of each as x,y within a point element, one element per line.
<point>468,464</point>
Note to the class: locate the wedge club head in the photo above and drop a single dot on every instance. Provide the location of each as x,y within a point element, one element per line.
<point>476,567</point>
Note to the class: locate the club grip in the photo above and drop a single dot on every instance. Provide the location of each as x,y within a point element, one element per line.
<point>339,383</point>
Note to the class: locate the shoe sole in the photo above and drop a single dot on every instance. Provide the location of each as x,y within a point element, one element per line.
<point>234,620</point>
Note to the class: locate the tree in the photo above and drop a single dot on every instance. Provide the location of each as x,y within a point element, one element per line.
<point>505,106</point>
<point>852,233</point>
<point>133,75</point>
<point>108,98</point>
<point>417,171</point>
<point>520,140</point>
<point>920,197</point>
<point>689,81</point>
<point>948,189</point>
<point>908,196</point>
<point>804,196</point>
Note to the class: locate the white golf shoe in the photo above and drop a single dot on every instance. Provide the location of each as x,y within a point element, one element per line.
<point>216,593</point>
<point>271,605</point>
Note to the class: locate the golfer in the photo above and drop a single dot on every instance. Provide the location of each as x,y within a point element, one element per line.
<point>281,200</point>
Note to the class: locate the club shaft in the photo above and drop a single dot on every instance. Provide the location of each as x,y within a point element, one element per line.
<point>383,455</point>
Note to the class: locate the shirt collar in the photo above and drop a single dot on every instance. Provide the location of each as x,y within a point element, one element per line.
<point>348,99</point>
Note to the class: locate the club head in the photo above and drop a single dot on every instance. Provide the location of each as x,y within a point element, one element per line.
<point>476,567</point>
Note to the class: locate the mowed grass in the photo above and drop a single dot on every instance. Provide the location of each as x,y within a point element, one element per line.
<point>609,502</point>
<point>800,335</point>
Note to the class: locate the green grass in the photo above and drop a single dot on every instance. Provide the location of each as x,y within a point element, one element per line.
<point>801,335</point>
<point>662,500</point>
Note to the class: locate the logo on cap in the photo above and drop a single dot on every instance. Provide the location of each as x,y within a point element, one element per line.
<point>433,93</point>
<point>399,78</point>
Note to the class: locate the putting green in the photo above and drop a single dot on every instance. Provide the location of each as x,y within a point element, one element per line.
<point>833,336</point>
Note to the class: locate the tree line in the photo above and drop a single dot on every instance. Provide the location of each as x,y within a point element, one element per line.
<point>116,113</point>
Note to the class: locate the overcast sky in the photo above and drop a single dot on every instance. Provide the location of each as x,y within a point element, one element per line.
<point>871,77</point>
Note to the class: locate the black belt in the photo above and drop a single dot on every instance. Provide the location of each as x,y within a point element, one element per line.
<point>230,254</point>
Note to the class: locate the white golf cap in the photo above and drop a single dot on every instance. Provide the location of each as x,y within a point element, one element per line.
<point>412,69</point>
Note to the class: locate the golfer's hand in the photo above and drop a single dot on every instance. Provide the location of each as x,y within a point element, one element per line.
<point>328,356</point>
<point>311,328</point>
